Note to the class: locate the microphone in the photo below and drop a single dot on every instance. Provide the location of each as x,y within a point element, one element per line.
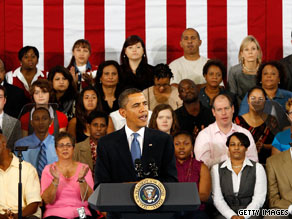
<point>153,168</point>
<point>139,169</point>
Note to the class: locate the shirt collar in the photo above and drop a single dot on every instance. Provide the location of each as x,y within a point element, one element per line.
<point>279,94</point>
<point>217,129</point>
<point>88,67</point>
<point>129,131</point>
<point>291,152</point>
<point>46,141</point>
<point>1,114</point>
<point>15,161</point>
<point>227,164</point>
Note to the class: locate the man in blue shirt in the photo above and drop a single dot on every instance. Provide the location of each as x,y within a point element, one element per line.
<point>41,144</point>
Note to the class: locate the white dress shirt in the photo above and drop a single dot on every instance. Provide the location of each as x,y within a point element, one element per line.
<point>140,137</point>
<point>260,189</point>
<point>1,119</point>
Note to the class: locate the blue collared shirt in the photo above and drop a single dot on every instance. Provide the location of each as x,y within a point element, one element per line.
<point>281,97</point>
<point>31,155</point>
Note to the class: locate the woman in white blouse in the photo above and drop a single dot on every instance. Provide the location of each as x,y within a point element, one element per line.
<point>238,183</point>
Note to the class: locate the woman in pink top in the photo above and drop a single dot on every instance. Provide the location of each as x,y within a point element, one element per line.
<point>66,184</point>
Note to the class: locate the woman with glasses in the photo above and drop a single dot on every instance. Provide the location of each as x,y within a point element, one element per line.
<point>66,184</point>
<point>162,92</point>
<point>255,122</point>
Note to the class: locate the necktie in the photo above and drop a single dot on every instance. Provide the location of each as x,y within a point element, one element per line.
<point>135,148</point>
<point>42,161</point>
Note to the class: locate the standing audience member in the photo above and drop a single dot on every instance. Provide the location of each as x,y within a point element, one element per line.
<point>64,90</point>
<point>272,77</point>
<point>41,91</point>
<point>164,119</point>
<point>210,146</point>
<point>82,71</point>
<point>10,126</point>
<point>41,149</point>
<point>256,121</point>
<point>85,151</point>
<point>192,116</point>
<point>191,170</point>
<point>191,64</point>
<point>136,72</point>
<point>66,184</point>
<point>15,98</point>
<point>9,178</point>
<point>27,73</point>
<point>242,76</point>
<point>108,86</point>
<point>162,92</point>
<point>238,182</point>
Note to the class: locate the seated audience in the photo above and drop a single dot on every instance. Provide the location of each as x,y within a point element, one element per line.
<point>256,121</point>
<point>27,73</point>
<point>64,90</point>
<point>85,151</point>
<point>162,92</point>
<point>272,77</point>
<point>10,126</point>
<point>191,170</point>
<point>280,181</point>
<point>41,91</point>
<point>238,182</point>
<point>41,149</point>
<point>9,178</point>
<point>88,101</point>
<point>82,71</point>
<point>214,72</point>
<point>282,139</point>
<point>164,119</point>
<point>242,77</point>
<point>15,98</point>
<point>210,146</point>
<point>66,184</point>
<point>193,116</point>
<point>136,72</point>
<point>108,86</point>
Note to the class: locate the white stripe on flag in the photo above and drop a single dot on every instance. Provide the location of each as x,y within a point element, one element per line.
<point>236,29</point>
<point>114,25</point>
<point>196,17</point>
<point>156,31</point>
<point>33,27</point>
<point>287,27</point>
<point>73,26</point>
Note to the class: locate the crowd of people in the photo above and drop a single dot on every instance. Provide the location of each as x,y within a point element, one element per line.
<point>227,131</point>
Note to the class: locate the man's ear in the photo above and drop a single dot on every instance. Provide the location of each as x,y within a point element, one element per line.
<point>123,112</point>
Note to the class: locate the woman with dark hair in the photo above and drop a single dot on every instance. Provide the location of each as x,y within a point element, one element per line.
<point>214,73</point>
<point>107,84</point>
<point>88,101</point>
<point>136,72</point>
<point>64,90</point>
<point>162,92</point>
<point>27,73</point>
<point>271,76</point>
<point>238,183</point>
<point>164,119</point>
<point>256,122</point>
<point>82,71</point>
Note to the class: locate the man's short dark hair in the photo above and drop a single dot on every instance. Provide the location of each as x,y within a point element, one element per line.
<point>41,108</point>
<point>241,137</point>
<point>123,98</point>
<point>224,95</point>
<point>4,90</point>
<point>25,49</point>
<point>96,114</point>
<point>62,135</point>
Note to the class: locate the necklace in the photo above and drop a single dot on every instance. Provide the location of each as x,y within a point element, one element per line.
<point>239,166</point>
<point>250,70</point>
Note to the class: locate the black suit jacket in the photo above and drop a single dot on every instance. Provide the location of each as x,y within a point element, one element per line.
<point>114,162</point>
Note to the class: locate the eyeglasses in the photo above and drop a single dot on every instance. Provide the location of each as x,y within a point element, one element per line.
<point>162,85</point>
<point>260,99</point>
<point>69,145</point>
<point>289,113</point>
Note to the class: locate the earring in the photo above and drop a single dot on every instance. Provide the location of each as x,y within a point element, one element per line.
<point>144,55</point>
<point>124,56</point>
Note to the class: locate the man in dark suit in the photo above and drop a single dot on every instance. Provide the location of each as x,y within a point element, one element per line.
<point>116,152</point>
<point>15,96</point>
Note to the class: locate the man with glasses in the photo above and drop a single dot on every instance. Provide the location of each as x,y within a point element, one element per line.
<point>210,146</point>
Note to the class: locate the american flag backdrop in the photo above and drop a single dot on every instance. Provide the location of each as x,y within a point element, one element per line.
<point>54,25</point>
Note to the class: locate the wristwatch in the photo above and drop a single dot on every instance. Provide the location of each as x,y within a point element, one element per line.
<point>81,180</point>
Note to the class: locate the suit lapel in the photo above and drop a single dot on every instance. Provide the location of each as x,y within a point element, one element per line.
<point>6,126</point>
<point>287,167</point>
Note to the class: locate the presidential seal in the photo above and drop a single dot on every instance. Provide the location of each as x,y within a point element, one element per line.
<point>149,194</point>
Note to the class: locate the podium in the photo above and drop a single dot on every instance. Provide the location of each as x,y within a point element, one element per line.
<point>118,197</point>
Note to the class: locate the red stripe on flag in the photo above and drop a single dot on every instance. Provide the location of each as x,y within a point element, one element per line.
<point>217,30</point>
<point>2,29</point>
<point>13,33</point>
<point>94,29</point>
<point>53,34</point>
<point>256,13</point>
<point>135,18</point>
<point>176,24</point>
<point>274,37</point>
